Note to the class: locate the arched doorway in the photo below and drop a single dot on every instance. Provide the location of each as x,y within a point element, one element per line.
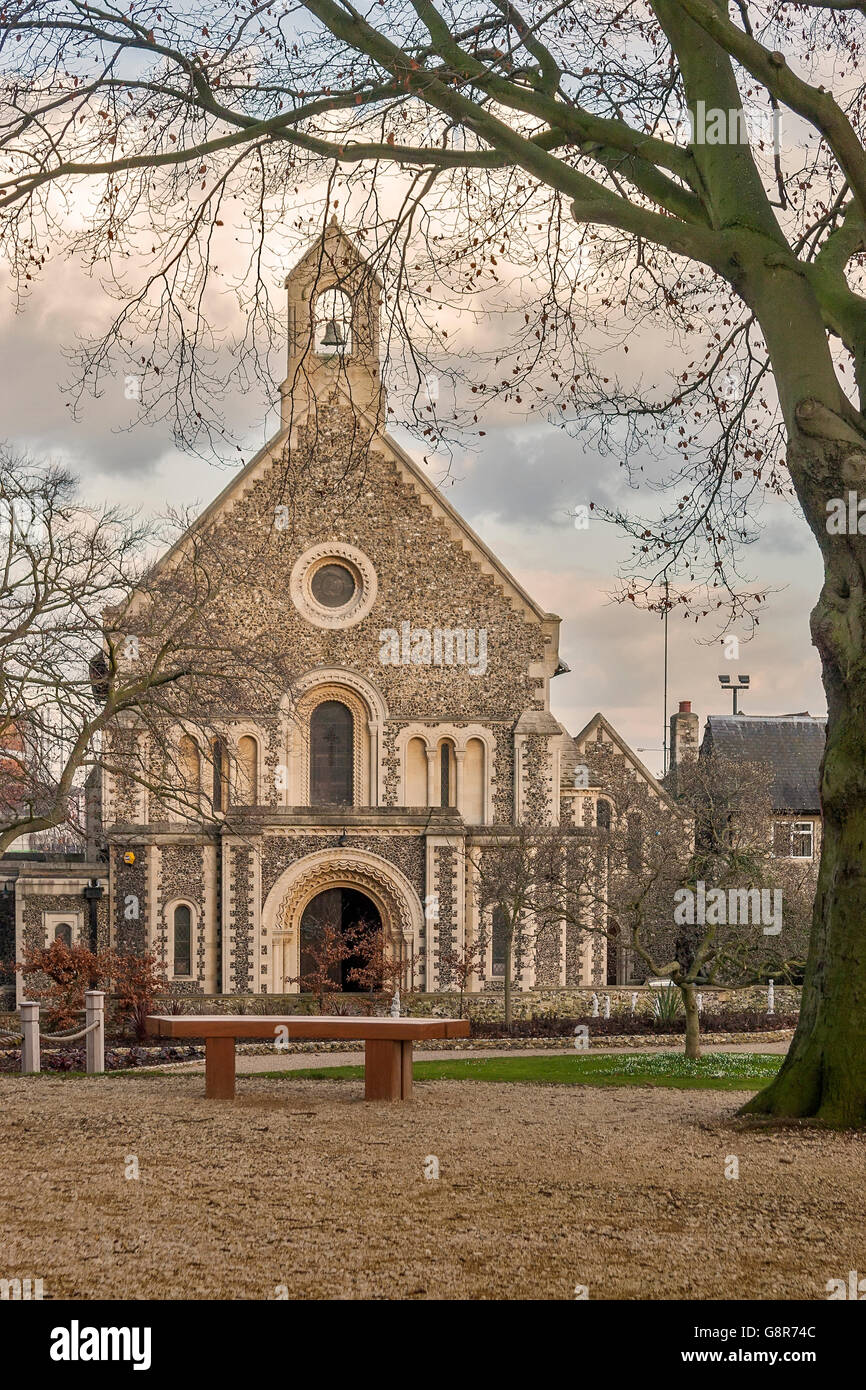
<point>341,935</point>
<point>394,897</point>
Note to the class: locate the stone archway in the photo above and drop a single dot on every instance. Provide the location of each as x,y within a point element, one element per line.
<point>386,886</point>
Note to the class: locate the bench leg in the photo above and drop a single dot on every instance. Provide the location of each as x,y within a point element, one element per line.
<point>219,1068</point>
<point>383,1069</point>
<point>406,1070</point>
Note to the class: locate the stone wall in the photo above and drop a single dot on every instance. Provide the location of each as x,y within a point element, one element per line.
<point>563,1003</point>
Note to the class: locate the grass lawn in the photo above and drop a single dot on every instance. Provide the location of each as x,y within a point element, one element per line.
<point>719,1071</point>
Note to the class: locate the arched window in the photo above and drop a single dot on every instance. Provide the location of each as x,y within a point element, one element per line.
<point>634,845</point>
<point>220,775</point>
<point>446,773</point>
<point>473,783</point>
<point>182,957</point>
<point>416,772</point>
<point>602,815</point>
<point>63,932</point>
<point>499,942</point>
<point>190,770</point>
<point>248,771</point>
<point>333,329</point>
<point>613,953</point>
<point>332,755</point>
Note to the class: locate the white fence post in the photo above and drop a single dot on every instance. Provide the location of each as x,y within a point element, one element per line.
<point>94,1012</point>
<point>30,1043</point>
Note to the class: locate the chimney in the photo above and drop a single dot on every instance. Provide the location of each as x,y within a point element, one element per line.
<point>684,736</point>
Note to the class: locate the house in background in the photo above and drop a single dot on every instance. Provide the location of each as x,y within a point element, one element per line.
<point>791,744</point>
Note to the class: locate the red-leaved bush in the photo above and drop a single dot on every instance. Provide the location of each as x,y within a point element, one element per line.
<point>67,972</point>
<point>136,981</point>
<point>60,974</point>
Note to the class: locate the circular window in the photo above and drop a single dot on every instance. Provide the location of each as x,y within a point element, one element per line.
<point>333,586</point>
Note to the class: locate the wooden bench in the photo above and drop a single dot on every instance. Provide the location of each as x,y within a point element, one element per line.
<point>387,1043</point>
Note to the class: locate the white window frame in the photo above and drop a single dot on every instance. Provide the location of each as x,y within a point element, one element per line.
<point>798,828</point>
<point>801,828</point>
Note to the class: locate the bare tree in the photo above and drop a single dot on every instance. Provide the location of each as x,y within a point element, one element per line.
<point>458,966</point>
<point>107,663</point>
<point>512,897</point>
<point>594,155</point>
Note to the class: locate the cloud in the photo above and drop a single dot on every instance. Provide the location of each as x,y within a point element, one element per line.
<point>529,475</point>
<point>518,490</point>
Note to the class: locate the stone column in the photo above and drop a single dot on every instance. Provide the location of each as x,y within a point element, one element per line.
<point>432,799</point>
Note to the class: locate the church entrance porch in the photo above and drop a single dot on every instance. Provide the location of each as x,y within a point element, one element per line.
<point>328,898</point>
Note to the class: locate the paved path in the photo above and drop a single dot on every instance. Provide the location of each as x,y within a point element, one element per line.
<point>299,1061</point>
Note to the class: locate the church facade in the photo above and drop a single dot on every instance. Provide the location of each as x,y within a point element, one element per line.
<point>417,728</point>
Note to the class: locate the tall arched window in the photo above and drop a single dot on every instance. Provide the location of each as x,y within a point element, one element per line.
<point>447,777</point>
<point>416,772</point>
<point>182,958</point>
<point>602,814</point>
<point>248,771</point>
<point>333,331</point>
<point>220,775</point>
<point>190,771</point>
<point>499,942</point>
<point>63,932</point>
<point>473,783</point>
<point>634,842</point>
<point>332,755</point>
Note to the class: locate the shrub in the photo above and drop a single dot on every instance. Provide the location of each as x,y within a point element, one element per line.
<point>69,970</point>
<point>667,1005</point>
<point>137,982</point>
<point>550,1025</point>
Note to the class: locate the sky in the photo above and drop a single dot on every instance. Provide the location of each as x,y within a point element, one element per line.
<point>517,489</point>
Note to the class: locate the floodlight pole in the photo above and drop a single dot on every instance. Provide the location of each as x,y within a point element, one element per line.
<point>665,700</point>
<point>725,683</point>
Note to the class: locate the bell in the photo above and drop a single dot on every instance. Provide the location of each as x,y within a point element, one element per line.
<point>333,335</point>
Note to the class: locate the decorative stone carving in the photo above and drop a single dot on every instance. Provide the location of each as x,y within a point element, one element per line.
<point>359,566</point>
<point>396,901</point>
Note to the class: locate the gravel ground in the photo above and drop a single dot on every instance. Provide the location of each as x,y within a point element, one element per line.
<point>304,1185</point>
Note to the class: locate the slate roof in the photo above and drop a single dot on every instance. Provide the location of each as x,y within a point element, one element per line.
<point>792,744</point>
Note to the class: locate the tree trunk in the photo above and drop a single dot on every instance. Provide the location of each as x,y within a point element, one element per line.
<point>509,956</point>
<point>824,1074</point>
<point>693,1021</point>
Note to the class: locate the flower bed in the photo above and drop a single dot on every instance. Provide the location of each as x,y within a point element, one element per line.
<point>116,1059</point>
<point>627,1024</point>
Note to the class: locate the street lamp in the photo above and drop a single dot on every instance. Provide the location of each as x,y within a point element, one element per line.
<point>726,683</point>
<point>93,894</point>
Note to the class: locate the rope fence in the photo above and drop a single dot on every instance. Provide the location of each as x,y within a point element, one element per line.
<point>67,1037</point>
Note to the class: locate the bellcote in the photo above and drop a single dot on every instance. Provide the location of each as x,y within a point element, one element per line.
<point>334,301</point>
